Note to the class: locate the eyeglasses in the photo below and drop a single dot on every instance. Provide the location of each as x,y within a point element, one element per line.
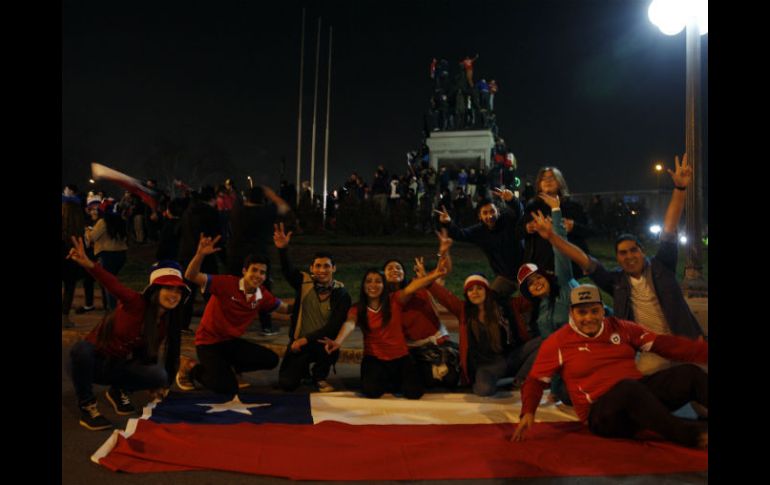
<point>547,177</point>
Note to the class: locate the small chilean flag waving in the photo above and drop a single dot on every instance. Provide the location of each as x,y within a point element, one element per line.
<point>148,196</point>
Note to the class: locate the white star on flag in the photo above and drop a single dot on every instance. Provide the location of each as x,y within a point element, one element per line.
<point>235,406</point>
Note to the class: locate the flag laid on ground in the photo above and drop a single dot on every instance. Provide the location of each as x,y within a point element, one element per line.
<point>331,437</point>
<point>148,196</point>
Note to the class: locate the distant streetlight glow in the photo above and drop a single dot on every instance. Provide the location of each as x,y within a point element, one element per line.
<point>655,229</point>
<point>658,167</point>
<point>91,181</point>
<point>683,239</point>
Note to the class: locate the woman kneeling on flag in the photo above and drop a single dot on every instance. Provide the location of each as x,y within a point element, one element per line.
<point>387,365</point>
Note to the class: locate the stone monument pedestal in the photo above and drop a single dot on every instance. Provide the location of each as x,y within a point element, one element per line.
<point>471,148</point>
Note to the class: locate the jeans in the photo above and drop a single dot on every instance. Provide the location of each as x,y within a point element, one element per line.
<point>89,367</point>
<point>646,404</point>
<point>220,361</point>
<point>516,363</point>
<point>397,375</point>
<point>296,365</point>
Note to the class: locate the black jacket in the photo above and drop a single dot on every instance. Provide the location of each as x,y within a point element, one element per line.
<point>501,245</point>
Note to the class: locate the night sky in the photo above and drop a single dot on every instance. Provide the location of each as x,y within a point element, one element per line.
<point>209,90</point>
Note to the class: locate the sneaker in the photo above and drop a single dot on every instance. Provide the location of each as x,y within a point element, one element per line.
<point>268,332</point>
<point>120,401</point>
<point>91,418</point>
<point>85,309</point>
<point>184,380</point>
<point>323,385</point>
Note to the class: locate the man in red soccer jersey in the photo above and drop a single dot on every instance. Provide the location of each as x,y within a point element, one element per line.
<point>595,356</point>
<point>234,304</point>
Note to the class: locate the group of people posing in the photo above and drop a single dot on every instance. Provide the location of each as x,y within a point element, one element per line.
<point>554,333</point>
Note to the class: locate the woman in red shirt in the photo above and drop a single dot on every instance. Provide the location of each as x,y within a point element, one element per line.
<point>387,365</point>
<point>122,351</point>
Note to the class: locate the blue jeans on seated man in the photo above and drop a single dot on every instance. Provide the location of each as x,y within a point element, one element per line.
<point>89,367</point>
<point>515,364</point>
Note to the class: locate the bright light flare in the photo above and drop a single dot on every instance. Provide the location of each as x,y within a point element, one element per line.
<point>655,229</point>
<point>683,239</point>
<point>671,16</point>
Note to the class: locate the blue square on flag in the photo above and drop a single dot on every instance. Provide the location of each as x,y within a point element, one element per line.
<point>212,409</point>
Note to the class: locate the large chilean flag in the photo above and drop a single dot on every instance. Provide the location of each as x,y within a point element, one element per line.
<point>339,436</point>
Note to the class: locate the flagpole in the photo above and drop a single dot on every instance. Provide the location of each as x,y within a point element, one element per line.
<point>315,110</point>
<point>326,140</point>
<point>299,109</point>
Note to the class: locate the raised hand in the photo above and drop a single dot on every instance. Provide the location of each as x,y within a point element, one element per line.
<point>443,215</point>
<point>503,193</point>
<point>445,242</point>
<point>682,173</point>
<point>78,253</point>
<point>542,225</point>
<point>206,245</point>
<point>419,267</point>
<point>280,237</point>
<point>552,201</point>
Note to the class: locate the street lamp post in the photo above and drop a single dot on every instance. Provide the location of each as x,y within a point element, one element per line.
<point>671,16</point>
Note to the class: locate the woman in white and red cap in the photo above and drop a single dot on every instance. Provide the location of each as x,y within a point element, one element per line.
<point>491,348</point>
<point>122,351</point>
<point>549,292</point>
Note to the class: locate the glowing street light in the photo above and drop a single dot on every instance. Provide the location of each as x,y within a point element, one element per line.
<point>671,16</point>
<point>683,239</point>
<point>658,170</point>
<point>91,181</point>
<point>655,229</point>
